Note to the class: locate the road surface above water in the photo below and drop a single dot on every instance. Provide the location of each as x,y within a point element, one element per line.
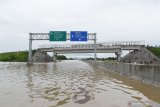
<point>70,84</point>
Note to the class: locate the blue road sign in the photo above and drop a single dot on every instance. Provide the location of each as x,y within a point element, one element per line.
<point>78,36</point>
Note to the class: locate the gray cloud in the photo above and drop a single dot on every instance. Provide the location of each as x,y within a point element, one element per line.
<point>113,20</point>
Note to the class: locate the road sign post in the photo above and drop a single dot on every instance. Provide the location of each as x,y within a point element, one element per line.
<point>95,47</point>
<point>30,48</point>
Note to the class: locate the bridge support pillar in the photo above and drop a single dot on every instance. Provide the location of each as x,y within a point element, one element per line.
<point>54,56</point>
<point>95,47</point>
<point>118,54</point>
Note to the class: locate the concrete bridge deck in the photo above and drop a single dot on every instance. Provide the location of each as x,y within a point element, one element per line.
<point>101,47</point>
<point>89,48</point>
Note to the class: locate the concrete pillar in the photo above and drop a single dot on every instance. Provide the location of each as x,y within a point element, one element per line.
<point>95,47</point>
<point>54,56</point>
<point>118,54</point>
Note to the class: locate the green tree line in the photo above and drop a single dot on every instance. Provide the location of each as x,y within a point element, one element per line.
<point>21,56</point>
<point>154,50</point>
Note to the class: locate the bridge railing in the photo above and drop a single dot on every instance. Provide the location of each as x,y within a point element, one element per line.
<point>69,46</point>
<point>128,43</point>
<point>91,46</point>
<point>113,44</point>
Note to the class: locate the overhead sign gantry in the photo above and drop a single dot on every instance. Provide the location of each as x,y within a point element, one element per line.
<point>62,36</point>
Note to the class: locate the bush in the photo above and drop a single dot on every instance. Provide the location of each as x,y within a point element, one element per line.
<point>61,57</point>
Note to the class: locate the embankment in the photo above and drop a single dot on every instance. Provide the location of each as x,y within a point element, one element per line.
<point>146,73</point>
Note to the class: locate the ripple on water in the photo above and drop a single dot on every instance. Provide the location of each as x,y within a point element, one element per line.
<point>64,84</point>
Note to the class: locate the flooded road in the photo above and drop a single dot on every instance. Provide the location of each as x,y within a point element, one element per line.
<point>71,84</point>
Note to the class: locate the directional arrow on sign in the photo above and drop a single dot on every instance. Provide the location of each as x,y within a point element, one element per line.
<point>78,35</point>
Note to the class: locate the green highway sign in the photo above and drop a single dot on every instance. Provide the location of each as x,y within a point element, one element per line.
<point>57,36</point>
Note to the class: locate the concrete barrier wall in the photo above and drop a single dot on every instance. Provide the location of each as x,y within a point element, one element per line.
<point>146,73</point>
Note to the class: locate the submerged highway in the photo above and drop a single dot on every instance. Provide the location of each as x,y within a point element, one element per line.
<point>71,84</point>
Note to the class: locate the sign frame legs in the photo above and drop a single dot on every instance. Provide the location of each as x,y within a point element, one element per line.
<point>95,47</point>
<point>30,48</point>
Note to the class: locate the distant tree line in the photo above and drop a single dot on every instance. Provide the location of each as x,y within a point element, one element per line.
<point>22,56</point>
<point>101,59</point>
<point>14,56</point>
<point>61,57</point>
<point>154,49</point>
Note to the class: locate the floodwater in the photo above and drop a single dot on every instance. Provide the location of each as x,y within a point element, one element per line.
<point>71,84</point>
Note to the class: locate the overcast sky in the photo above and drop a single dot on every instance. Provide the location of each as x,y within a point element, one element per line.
<point>112,20</point>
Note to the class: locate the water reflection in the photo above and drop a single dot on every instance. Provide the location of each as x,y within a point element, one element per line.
<point>59,82</point>
<point>70,84</point>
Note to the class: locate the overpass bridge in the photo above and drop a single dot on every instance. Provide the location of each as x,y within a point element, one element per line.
<point>101,47</point>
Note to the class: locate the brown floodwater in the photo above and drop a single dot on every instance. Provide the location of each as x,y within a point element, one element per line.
<point>71,84</point>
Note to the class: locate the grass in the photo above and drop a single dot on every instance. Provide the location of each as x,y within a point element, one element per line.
<point>21,56</point>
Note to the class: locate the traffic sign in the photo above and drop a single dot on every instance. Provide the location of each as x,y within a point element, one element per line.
<point>57,35</point>
<point>78,35</point>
